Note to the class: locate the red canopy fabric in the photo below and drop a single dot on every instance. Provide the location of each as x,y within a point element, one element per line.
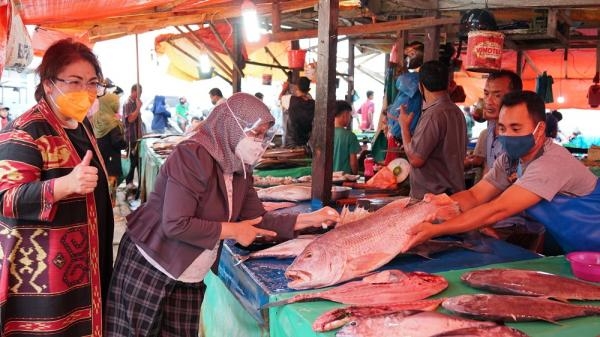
<point>579,69</point>
<point>36,11</point>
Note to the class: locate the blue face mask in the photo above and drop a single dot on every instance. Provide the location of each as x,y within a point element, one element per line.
<point>517,146</point>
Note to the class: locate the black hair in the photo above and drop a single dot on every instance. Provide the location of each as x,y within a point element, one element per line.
<point>215,92</point>
<point>196,118</point>
<point>342,107</point>
<point>61,54</point>
<point>551,126</point>
<point>557,115</point>
<point>514,81</point>
<point>434,76</point>
<point>370,93</point>
<point>418,45</point>
<point>304,84</point>
<point>135,87</point>
<point>535,105</point>
<point>259,95</point>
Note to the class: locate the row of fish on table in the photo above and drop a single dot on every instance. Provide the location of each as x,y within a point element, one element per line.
<point>394,303</point>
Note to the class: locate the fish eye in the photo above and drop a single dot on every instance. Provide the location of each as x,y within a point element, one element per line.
<point>308,255</point>
<point>353,323</point>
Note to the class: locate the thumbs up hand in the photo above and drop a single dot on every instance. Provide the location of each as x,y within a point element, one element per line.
<point>84,177</point>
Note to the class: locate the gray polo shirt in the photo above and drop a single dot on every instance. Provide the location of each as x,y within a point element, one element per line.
<point>554,172</point>
<point>441,140</point>
<point>488,146</point>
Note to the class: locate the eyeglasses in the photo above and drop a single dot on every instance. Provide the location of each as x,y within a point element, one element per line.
<point>96,86</point>
<point>264,136</point>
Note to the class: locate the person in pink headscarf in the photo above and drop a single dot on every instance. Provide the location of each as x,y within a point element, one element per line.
<point>203,194</point>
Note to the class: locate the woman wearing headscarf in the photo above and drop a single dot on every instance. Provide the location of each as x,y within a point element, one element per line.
<point>203,194</point>
<point>109,133</point>
<point>56,220</point>
<point>160,121</point>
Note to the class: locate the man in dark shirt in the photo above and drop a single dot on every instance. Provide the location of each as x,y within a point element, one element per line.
<point>301,112</point>
<point>132,121</point>
<point>436,151</point>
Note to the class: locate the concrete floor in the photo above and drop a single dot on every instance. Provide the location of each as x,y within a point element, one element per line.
<point>121,210</point>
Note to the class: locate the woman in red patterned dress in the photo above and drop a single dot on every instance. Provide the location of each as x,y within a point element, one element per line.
<point>56,220</point>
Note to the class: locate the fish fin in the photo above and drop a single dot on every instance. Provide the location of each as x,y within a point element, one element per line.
<point>386,276</point>
<point>560,299</point>
<point>551,321</point>
<point>438,199</point>
<point>400,203</point>
<point>367,263</point>
<point>240,258</point>
<point>474,240</point>
<point>447,212</point>
<point>423,255</point>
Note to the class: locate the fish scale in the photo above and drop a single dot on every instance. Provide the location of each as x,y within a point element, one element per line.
<point>362,246</point>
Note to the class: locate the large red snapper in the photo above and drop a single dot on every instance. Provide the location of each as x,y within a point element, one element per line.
<point>362,246</point>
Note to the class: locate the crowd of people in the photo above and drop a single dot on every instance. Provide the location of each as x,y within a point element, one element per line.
<point>61,166</point>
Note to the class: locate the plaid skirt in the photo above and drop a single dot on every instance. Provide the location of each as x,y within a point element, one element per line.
<point>142,301</point>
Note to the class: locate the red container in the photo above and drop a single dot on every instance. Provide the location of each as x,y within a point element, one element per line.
<point>296,58</point>
<point>484,51</point>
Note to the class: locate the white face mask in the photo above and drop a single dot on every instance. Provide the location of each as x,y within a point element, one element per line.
<point>249,150</point>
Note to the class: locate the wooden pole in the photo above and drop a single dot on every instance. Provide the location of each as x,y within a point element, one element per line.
<point>432,42</point>
<point>350,92</point>
<point>137,62</point>
<point>323,128</point>
<point>224,45</point>
<point>238,42</point>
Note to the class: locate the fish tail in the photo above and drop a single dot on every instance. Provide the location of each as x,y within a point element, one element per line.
<point>592,310</point>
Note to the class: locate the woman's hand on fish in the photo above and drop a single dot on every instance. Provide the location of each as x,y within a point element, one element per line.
<point>421,233</point>
<point>244,232</point>
<point>324,217</point>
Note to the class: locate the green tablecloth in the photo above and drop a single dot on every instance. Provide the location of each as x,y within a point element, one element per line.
<point>149,164</point>
<point>296,319</point>
<point>294,172</point>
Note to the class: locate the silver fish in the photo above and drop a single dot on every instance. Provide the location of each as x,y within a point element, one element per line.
<point>285,193</point>
<point>284,250</point>
<point>336,318</point>
<point>510,308</point>
<point>420,324</point>
<point>531,283</point>
<point>494,331</point>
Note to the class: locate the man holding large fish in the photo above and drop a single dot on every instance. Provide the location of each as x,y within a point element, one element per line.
<point>534,175</point>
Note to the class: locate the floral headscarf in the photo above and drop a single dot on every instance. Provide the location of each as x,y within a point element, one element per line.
<point>220,132</point>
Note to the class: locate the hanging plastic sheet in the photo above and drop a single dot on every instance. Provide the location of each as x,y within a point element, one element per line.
<point>5,12</point>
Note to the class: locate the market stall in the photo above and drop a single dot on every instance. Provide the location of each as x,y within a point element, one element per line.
<point>241,289</point>
<point>296,319</point>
